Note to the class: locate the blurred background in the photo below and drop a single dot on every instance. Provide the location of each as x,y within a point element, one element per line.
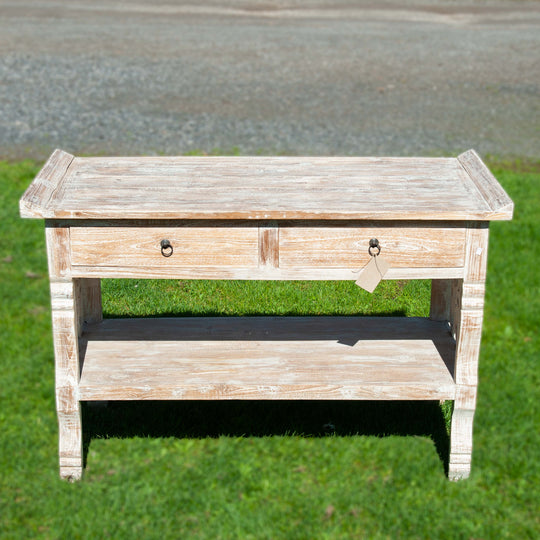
<point>347,77</point>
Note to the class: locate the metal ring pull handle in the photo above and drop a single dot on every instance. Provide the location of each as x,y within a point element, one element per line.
<point>166,248</point>
<point>374,244</point>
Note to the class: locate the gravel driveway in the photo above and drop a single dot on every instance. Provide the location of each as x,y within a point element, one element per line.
<point>269,76</point>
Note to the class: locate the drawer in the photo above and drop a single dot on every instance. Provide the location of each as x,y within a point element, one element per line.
<point>141,247</point>
<point>347,247</point>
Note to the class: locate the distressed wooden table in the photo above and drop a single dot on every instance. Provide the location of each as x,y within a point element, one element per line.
<point>268,218</point>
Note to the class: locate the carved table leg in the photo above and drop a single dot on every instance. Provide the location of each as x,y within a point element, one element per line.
<point>88,294</point>
<point>461,439</point>
<point>441,290</point>
<point>66,351</point>
<point>466,313</point>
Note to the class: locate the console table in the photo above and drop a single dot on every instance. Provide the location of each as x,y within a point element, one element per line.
<point>266,218</point>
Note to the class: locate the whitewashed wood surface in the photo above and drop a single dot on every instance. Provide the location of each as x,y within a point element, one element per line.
<point>266,218</point>
<point>211,187</point>
<point>268,358</point>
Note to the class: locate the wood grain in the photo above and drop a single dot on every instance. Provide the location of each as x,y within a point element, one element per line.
<point>66,352</point>
<point>266,188</point>
<point>269,245</point>
<point>470,306</point>
<point>41,192</point>
<point>262,273</point>
<point>268,358</point>
<point>296,251</point>
<point>58,250</point>
<point>467,310</point>
<point>493,193</point>
<point>347,247</point>
<point>441,294</point>
<point>88,294</point>
<point>140,246</point>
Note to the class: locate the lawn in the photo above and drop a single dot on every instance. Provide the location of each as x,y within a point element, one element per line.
<point>272,470</point>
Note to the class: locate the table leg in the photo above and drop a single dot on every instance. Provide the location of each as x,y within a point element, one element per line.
<point>466,316</point>
<point>461,438</point>
<point>441,292</point>
<point>88,294</point>
<point>66,351</point>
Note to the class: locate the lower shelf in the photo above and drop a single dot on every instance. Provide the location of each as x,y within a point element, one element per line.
<point>267,358</point>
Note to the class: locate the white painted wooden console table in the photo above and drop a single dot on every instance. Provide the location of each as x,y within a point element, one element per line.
<point>265,218</point>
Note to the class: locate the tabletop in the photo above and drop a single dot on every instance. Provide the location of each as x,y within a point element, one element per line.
<point>266,188</point>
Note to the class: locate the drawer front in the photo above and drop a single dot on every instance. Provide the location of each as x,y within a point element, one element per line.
<point>141,247</point>
<point>347,247</point>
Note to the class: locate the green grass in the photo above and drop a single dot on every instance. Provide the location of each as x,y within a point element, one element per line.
<point>272,470</point>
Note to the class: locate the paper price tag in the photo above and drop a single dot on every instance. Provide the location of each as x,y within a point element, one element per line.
<point>370,276</point>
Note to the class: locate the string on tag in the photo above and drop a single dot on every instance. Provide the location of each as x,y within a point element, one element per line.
<point>374,271</point>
